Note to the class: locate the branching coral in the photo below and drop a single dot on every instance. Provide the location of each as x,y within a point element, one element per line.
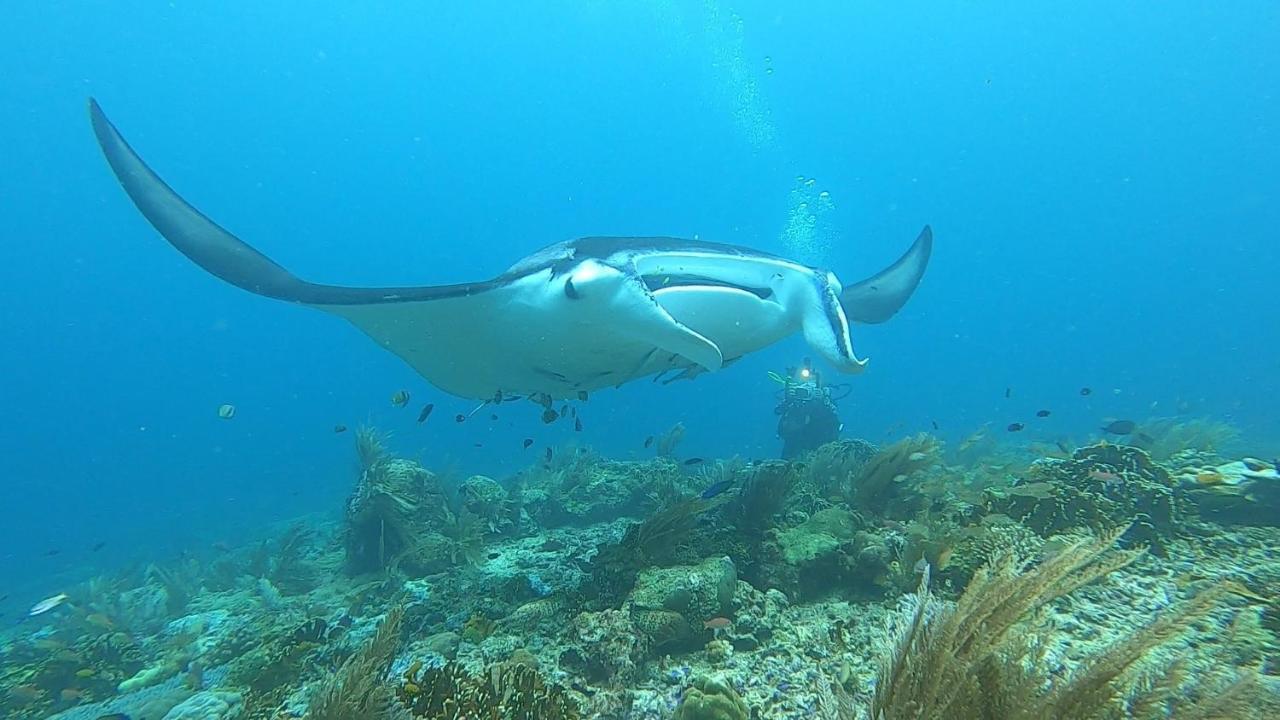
<point>970,660</point>
<point>359,690</point>
<point>1168,436</point>
<point>875,486</point>
<point>507,691</point>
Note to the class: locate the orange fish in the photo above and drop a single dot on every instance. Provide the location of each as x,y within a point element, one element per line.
<point>717,623</point>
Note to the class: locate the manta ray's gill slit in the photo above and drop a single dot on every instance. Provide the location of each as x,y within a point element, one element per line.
<point>666,281</point>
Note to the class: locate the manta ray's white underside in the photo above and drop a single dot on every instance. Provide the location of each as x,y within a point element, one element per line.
<point>571,318</point>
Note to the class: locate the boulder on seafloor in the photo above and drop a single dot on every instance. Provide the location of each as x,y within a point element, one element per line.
<point>1102,485</point>
<point>587,489</point>
<point>697,592</point>
<point>208,705</point>
<point>490,502</point>
<point>711,699</point>
<point>1242,492</point>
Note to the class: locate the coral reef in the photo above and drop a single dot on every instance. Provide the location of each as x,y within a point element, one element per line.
<point>1099,486</point>
<point>508,691</point>
<point>711,699</point>
<point>588,587</point>
<point>968,660</point>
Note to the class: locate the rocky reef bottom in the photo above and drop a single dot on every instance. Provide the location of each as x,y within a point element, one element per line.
<point>858,581</point>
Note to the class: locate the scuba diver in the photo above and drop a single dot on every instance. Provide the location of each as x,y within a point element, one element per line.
<point>806,410</point>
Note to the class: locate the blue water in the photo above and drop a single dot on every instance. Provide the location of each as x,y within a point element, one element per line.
<point>1101,178</point>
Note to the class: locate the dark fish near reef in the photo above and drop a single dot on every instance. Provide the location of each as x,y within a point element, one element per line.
<point>527,442</point>
<point>935,424</point>
<point>693,461</point>
<point>459,418</point>
<point>98,546</point>
<point>493,416</point>
<point>577,425</point>
<point>1015,427</point>
<point>549,416</point>
<point>1119,427</point>
<point>1008,392</point>
<point>1085,391</point>
<point>400,398</point>
<point>648,441</point>
<point>548,454</point>
<point>716,488</point>
<point>582,395</point>
<point>1042,413</point>
<point>114,716</point>
<point>339,428</point>
<point>426,412</point>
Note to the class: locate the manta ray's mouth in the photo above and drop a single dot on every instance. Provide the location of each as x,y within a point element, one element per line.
<point>667,281</point>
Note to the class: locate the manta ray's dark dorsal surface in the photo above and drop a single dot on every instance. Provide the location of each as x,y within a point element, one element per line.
<point>575,316</point>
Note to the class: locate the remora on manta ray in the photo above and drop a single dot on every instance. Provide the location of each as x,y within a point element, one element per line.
<point>575,316</point>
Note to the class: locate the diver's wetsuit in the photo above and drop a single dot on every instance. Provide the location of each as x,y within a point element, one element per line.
<point>806,423</point>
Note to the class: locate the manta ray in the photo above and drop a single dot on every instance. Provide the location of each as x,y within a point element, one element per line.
<point>576,316</point>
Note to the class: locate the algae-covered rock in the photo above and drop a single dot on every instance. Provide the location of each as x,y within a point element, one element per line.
<point>1101,485</point>
<point>606,647</point>
<point>588,489</point>
<point>489,501</point>
<point>152,675</point>
<point>818,537</point>
<point>711,699</point>
<point>698,592</point>
<point>394,504</point>
<point>208,705</point>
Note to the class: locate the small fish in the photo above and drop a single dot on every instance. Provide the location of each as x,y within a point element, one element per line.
<point>1008,392</point>
<point>426,412</point>
<point>549,416</point>
<point>564,409</point>
<point>548,454</point>
<point>477,445</point>
<point>85,673</point>
<point>226,412</point>
<point>459,418</point>
<point>400,398</point>
<point>98,546</point>
<point>693,461</point>
<point>716,623</point>
<point>47,604</point>
<point>935,424</point>
<point>339,429</point>
<point>527,442</point>
<point>52,552</point>
<point>716,488</point>
<point>493,416</point>
<point>1042,413</point>
<point>1119,427</point>
<point>582,395</point>
<point>577,425</point>
<point>1062,446</point>
<point>648,441</point>
<point>114,716</point>
<point>1086,391</point>
<point>1015,427</point>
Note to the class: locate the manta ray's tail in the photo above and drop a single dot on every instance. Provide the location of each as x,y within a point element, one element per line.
<point>880,296</point>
